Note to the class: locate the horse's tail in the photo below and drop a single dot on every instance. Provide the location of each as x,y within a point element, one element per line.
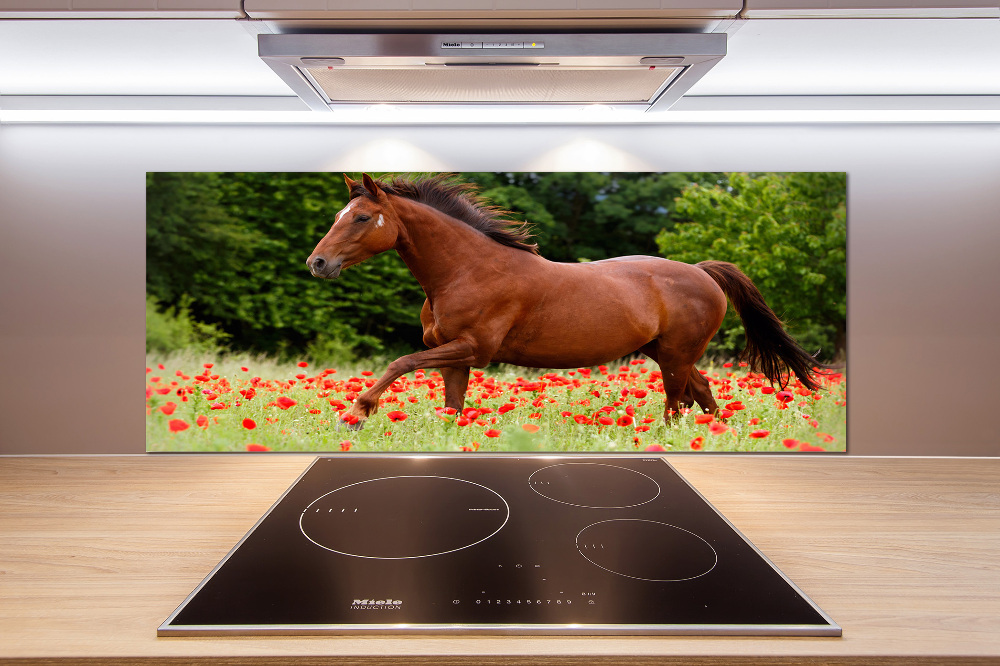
<point>769,347</point>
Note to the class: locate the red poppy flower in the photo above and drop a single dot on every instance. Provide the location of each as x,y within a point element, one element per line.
<point>767,390</point>
<point>367,373</point>
<point>178,425</point>
<point>784,396</point>
<point>349,419</point>
<point>303,364</point>
<point>725,413</point>
<point>642,428</point>
<point>462,421</point>
<point>396,417</point>
<point>704,418</point>
<point>809,447</point>
<point>754,421</point>
<point>717,428</point>
<point>285,402</point>
<point>249,424</point>
<point>345,445</point>
<point>257,447</point>
<point>735,406</point>
<point>624,420</point>
<point>202,421</point>
<point>697,443</point>
<point>655,447</point>
<point>219,405</point>
<point>530,427</point>
<point>209,366</point>
<point>759,434</point>
<point>825,437</point>
<point>504,408</point>
<point>168,408</point>
<point>470,413</point>
<point>606,420</point>
<point>639,393</point>
<point>245,369</point>
<point>790,443</point>
<point>492,433</point>
<point>314,411</point>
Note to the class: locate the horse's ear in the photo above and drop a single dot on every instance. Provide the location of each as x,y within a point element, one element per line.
<point>374,190</point>
<point>350,182</point>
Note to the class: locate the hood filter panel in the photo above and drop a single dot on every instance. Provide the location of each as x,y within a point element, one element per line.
<point>492,84</point>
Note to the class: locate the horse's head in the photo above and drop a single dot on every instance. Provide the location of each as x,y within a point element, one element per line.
<point>366,226</point>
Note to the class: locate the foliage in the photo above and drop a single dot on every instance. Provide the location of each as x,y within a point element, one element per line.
<point>173,329</point>
<point>590,216</point>
<point>788,233</point>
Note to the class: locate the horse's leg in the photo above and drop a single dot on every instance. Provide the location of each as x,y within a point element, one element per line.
<point>456,383</point>
<point>675,380</point>
<point>456,380</point>
<point>455,354</point>
<point>697,388</point>
<point>677,353</point>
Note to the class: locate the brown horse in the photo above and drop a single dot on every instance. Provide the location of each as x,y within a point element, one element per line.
<point>492,298</point>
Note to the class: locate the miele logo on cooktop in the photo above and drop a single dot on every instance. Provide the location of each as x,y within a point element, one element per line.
<point>376,604</point>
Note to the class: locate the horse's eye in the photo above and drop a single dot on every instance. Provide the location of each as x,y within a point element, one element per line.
<point>362,218</point>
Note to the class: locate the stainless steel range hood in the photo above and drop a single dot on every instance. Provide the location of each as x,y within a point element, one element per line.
<point>646,70</point>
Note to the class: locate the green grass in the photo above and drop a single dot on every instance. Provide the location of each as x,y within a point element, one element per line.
<point>544,394</point>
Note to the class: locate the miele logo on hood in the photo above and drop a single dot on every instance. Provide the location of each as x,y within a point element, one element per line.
<point>376,604</point>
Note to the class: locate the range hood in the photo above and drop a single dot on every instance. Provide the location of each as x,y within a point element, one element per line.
<point>646,70</point>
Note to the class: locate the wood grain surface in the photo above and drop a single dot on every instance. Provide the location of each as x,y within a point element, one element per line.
<point>904,553</point>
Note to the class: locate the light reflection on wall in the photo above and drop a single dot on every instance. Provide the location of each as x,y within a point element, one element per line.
<point>584,154</point>
<point>387,154</point>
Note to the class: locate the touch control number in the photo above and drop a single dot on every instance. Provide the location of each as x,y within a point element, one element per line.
<point>512,602</point>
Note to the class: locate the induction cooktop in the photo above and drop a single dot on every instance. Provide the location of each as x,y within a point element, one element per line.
<point>495,545</point>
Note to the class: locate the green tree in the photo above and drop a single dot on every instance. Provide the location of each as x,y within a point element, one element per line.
<point>591,215</point>
<point>788,233</point>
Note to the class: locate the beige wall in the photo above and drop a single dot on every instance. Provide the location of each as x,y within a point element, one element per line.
<point>924,234</point>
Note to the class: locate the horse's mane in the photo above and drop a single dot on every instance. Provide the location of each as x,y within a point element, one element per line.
<point>444,192</point>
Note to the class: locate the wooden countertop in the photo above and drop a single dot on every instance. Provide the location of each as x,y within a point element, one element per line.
<point>903,553</point>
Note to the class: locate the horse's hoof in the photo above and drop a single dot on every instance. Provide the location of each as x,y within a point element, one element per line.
<point>351,423</point>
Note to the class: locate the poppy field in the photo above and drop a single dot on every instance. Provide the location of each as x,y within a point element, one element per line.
<point>245,404</point>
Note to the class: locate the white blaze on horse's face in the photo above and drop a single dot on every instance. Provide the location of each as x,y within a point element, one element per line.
<point>344,210</point>
<point>381,220</point>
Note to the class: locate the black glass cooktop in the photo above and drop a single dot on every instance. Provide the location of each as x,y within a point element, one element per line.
<point>504,545</point>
